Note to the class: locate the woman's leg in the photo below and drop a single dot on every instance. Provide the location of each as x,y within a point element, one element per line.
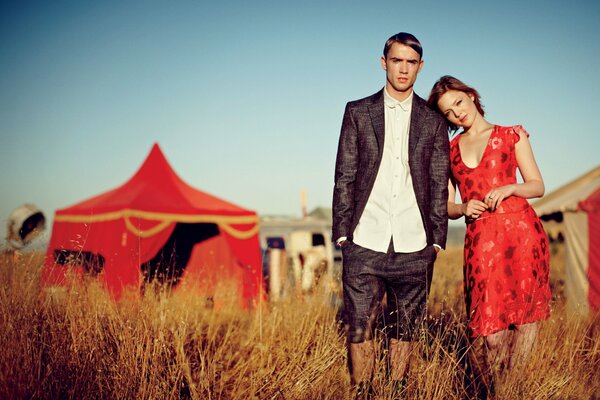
<point>497,347</point>
<point>523,340</point>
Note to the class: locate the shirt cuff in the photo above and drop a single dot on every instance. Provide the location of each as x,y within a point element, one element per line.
<point>438,246</point>
<point>341,239</point>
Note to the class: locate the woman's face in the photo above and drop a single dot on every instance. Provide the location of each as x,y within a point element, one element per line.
<point>458,108</point>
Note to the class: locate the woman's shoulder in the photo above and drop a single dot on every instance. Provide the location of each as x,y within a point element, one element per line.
<point>511,129</point>
<point>512,133</point>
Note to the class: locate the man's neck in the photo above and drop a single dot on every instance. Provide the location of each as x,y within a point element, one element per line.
<point>400,96</point>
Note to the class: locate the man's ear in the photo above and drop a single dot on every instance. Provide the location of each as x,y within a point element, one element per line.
<point>420,65</point>
<point>383,65</point>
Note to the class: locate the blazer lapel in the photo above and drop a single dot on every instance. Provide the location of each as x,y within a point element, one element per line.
<point>376,112</point>
<point>416,118</point>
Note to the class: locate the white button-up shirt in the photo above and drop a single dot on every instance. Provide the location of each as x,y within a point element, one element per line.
<point>392,211</point>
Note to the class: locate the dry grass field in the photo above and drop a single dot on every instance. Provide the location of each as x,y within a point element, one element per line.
<point>82,345</point>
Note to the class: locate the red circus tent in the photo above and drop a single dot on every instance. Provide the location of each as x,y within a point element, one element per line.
<point>157,227</point>
<point>573,212</point>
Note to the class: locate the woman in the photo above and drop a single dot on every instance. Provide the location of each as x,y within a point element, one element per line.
<point>506,262</point>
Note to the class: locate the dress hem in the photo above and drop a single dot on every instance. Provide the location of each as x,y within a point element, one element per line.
<point>533,318</point>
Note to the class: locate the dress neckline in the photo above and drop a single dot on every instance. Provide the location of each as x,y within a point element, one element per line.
<point>485,150</point>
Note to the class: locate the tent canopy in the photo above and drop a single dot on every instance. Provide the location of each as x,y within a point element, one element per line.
<point>129,226</point>
<point>155,192</point>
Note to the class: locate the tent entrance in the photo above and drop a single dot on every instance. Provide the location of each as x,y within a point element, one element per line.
<point>169,263</point>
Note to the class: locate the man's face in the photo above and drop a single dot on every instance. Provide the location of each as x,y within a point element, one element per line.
<point>402,66</point>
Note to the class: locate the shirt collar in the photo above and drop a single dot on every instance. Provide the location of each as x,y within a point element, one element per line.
<point>405,104</point>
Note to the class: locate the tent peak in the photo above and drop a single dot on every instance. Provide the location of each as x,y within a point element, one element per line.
<point>155,146</point>
<point>155,150</point>
<point>155,157</point>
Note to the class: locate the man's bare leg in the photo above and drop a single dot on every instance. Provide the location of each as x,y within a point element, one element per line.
<point>398,358</point>
<point>362,362</point>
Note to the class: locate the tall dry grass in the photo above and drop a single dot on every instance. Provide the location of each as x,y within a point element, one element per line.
<point>80,344</point>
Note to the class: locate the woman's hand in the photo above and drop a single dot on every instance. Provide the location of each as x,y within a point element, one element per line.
<point>495,196</point>
<point>473,208</point>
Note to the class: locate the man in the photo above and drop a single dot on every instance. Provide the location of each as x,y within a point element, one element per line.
<point>390,209</point>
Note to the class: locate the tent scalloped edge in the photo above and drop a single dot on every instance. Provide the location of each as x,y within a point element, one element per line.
<point>165,219</point>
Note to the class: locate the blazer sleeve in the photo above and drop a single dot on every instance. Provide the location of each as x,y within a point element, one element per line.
<point>439,172</point>
<point>345,176</point>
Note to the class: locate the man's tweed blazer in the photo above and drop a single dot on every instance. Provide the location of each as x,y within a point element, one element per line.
<point>359,155</point>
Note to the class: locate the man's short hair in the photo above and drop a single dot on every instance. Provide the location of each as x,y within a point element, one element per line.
<point>406,39</point>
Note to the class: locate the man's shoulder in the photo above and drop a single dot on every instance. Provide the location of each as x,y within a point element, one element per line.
<point>366,101</point>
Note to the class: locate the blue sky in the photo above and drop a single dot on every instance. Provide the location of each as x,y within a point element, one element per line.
<point>246,98</point>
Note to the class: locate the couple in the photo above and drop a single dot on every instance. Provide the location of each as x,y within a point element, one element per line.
<point>396,177</point>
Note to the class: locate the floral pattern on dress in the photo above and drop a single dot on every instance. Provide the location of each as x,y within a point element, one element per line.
<point>506,258</point>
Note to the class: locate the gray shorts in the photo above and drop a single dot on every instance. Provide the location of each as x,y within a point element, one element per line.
<point>405,279</point>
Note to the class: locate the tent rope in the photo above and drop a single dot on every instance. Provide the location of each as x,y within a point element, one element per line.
<point>165,219</point>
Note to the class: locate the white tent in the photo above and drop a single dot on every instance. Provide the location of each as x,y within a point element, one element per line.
<point>573,210</point>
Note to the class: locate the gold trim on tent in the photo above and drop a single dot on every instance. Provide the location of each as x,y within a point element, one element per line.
<point>148,232</point>
<point>224,222</point>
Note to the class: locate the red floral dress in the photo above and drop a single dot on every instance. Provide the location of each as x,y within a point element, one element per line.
<point>506,260</point>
